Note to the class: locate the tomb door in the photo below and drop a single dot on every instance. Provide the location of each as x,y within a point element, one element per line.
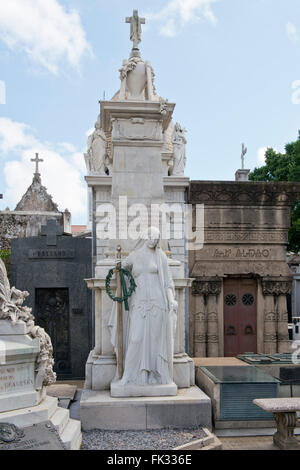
<point>240,316</point>
<point>52,314</point>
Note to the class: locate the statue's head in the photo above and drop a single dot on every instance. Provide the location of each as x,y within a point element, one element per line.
<point>153,237</point>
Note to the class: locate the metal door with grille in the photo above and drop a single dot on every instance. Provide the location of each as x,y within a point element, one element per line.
<point>52,314</point>
<point>240,316</point>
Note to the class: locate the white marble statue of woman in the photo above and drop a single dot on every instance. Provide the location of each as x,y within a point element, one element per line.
<point>179,143</point>
<point>150,325</point>
<point>96,156</point>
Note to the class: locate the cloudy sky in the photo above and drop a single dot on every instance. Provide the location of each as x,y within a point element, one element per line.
<point>231,66</point>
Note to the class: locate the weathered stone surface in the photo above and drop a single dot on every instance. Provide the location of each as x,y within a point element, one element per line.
<point>245,236</point>
<point>36,198</point>
<point>191,407</point>
<point>42,436</point>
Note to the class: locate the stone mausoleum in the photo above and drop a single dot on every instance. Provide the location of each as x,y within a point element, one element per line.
<point>136,158</point>
<point>52,268</point>
<point>32,211</point>
<point>238,300</point>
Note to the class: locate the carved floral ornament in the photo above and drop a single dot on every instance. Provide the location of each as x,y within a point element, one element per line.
<point>267,194</point>
<point>207,287</point>
<point>276,287</point>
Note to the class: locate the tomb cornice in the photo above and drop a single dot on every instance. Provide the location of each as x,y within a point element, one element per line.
<point>141,109</point>
<point>249,193</point>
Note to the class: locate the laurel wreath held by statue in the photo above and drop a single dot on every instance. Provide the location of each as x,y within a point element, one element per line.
<point>126,293</point>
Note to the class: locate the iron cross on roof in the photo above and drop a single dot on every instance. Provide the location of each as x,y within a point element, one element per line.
<point>36,160</point>
<point>51,231</point>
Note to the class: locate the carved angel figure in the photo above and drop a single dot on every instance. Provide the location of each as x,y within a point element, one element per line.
<point>179,142</point>
<point>12,309</point>
<point>96,158</point>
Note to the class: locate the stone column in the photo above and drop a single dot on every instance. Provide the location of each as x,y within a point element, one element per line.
<point>212,326</point>
<point>270,325</point>
<point>200,328</point>
<point>276,317</point>
<point>206,322</point>
<point>282,324</point>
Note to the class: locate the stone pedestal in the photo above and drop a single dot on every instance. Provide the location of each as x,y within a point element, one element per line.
<point>17,367</point>
<point>101,363</point>
<point>118,390</point>
<point>189,408</point>
<point>20,403</point>
<point>284,438</point>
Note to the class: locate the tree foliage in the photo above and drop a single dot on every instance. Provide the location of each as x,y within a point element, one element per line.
<point>283,167</point>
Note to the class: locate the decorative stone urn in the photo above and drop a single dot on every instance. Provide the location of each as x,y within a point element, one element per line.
<point>136,82</point>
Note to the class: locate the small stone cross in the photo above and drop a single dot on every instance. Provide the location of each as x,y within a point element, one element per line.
<point>135,28</point>
<point>51,231</point>
<point>244,151</point>
<point>36,160</point>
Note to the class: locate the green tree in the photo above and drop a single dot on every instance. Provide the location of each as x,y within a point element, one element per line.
<point>283,167</point>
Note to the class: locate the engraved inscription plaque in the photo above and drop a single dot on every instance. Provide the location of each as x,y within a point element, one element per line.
<point>17,377</point>
<point>42,436</point>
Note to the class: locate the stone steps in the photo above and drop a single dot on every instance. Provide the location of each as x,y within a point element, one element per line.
<point>60,419</point>
<point>68,429</point>
<point>28,416</point>
<point>71,435</point>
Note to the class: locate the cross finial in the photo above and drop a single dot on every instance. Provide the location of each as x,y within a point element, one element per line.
<point>244,151</point>
<point>36,160</point>
<point>135,28</point>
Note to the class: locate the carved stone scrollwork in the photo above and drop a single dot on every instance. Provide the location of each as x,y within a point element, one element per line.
<point>200,317</point>
<point>207,287</point>
<point>276,287</point>
<point>213,339</point>
<point>200,338</point>
<point>270,316</point>
<point>270,338</point>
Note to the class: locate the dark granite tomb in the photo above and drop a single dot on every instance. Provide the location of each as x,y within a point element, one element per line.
<point>52,268</point>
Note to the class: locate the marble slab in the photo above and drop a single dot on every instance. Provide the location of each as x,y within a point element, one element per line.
<point>119,390</point>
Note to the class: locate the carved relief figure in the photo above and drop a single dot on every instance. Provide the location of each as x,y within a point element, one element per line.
<point>150,326</point>
<point>12,309</point>
<point>179,142</point>
<point>96,157</point>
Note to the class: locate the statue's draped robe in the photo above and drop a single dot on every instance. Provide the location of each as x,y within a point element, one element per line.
<point>149,327</point>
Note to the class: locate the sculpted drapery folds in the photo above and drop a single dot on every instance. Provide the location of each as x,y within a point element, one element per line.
<point>179,143</point>
<point>150,324</point>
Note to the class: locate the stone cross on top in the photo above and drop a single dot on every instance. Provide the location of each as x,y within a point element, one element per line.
<point>135,28</point>
<point>36,160</point>
<point>51,231</point>
<point>244,151</point>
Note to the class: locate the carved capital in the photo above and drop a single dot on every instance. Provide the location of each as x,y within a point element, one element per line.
<point>276,287</point>
<point>206,287</point>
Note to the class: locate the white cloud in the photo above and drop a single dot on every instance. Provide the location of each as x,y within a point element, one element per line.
<point>261,155</point>
<point>45,30</point>
<point>62,170</point>
<point>14,135</point>
<point>292,32</point>
<point>177,13</point>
